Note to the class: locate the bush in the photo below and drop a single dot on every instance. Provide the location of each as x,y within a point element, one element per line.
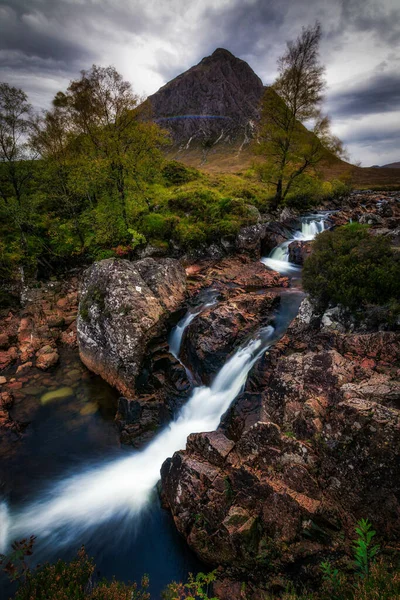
<point>352,268</point>
<point>190,235</point>
<point>158,226</point>
<point>65,580</point>
<point>175,173</point>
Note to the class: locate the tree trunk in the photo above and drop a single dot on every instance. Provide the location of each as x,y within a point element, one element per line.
<point>278,195</point>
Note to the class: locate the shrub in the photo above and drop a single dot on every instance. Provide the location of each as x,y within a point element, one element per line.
<point>352,268</point>
<point>158,226</point>
<point>65,580</point>
<point>175,173</point>
<point>190,235</point>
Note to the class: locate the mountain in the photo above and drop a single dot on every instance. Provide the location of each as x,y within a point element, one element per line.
<point>211,111</point>
<point>394,165</point>
<point>214,102</point>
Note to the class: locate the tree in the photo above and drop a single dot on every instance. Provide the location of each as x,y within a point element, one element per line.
<point>109,126</point>
<point>293,100</point>
<point>16,159</point>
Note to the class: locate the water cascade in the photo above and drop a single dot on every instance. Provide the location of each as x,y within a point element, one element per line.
<point>121,488</point>
<point>175,337</point>
<point>278,259</point>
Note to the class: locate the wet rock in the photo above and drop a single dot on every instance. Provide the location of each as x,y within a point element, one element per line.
<point>307,449</point>
<point>249,239</point>
<point>60,394</point>
<point>4,341</point>
<point>274,234</point>
<point>7,357</point>
<point>24,367</point>
<point>123,306</point>
<point>161,389</point>
<point>214,334</point>
<point>299,251</point>
<point>46,357</point>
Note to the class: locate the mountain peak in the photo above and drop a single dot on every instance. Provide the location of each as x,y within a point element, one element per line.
<point>222,53</point>
<point>216,100</point>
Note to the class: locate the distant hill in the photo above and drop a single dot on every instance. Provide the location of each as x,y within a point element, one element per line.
<point>212,112</point>
<point>395,165</point>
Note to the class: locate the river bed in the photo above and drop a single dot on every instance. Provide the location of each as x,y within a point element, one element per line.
<point>58,486</point>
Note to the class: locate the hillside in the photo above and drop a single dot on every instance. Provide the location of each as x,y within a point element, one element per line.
<point>211,111</point>
<point>394,165</point>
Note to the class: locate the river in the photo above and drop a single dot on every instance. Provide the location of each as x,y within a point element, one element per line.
<point>60,490</point>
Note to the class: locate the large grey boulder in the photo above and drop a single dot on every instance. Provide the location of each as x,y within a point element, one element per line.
<point>122,306</point>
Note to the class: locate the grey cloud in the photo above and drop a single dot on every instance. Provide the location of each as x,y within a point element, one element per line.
<point>45,43</point>
<point>380,93</point>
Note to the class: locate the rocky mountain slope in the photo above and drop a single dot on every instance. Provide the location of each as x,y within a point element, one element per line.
<point>212,110</point>
<point>216,101</point>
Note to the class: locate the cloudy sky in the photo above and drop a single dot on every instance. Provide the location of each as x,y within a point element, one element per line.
<point>45,43</point>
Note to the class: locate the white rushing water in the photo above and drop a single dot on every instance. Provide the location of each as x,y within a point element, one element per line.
<point>4,525</point>
<point>121,488</point>
<point>175,338</point>
<point>278,260</point>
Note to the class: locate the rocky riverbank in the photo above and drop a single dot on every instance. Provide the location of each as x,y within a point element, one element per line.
<point>309,446</point>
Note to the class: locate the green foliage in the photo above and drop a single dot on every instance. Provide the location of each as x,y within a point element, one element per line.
<point>197,588</point>
<point>364,550</point>
<point>64,580</point>
<point>352,268</point>
<point>333,580</point>
<point>176,173</point>
<point>290,149</point>
<point>138,239</point>
<point>308,192</point>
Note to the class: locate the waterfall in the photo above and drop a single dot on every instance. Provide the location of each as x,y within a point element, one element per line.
<point>121,488</point>
<point>4,526</point>
<point>278,259</point>
<point>311,226</point>
<point>175,337</point>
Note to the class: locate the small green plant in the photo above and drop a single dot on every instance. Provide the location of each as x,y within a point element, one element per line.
<point>197,588</point>
<point>364,549</point>
<point>333,580</point>
<point>64,580</point>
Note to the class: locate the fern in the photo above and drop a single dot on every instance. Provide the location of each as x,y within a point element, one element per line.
<point>364,551</point>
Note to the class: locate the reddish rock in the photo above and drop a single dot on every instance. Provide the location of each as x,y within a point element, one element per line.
<point>4,341</point>
<point>46,357</point>
<point>22,368</point>
<point>7,357</point>
<point>62,303</point>
<point>216,332</point>
<point>14,385</point>
<point>307,449</point>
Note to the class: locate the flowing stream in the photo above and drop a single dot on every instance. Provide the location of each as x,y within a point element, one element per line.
<point>112,505</point>
<point>278,259</point>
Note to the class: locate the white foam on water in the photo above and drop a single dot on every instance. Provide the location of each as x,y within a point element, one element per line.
<point>122,488</point>
<point>278,259</point>
<point>4,526</point>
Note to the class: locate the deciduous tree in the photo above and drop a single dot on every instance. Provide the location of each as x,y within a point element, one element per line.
<point>16,159</point>
<point>294,100</point>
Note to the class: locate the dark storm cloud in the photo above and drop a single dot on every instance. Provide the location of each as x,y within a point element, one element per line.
<point>29,33</point>
<point>380,17</point>
<point>378,94</point>
<point>45,43</point>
